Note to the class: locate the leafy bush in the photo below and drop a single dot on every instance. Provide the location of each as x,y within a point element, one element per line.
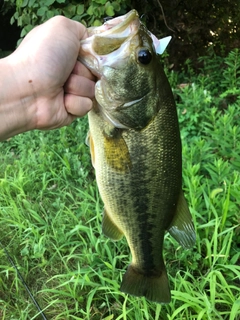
<point>194,26</point>
<point>30,13</point>
<point>207,94</point>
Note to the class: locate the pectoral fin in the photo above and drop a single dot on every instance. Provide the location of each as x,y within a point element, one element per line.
<point>109,228</point>
<point>182,228</point>
<point>116,151</point>
<point>87,143</point>
<point>90,144</point>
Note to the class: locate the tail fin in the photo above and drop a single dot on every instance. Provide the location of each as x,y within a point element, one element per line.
<point>154,287</point>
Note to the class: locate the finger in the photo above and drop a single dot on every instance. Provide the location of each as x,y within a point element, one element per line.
<point>80,29</point>
<point>80,86</point>
<point>76,105</point>
<point>81,70</point>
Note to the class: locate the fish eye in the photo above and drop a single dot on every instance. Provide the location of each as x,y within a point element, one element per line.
<point>144,56</point>
<point>106,19</point>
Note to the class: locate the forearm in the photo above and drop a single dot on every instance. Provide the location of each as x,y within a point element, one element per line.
<point>16,99</point>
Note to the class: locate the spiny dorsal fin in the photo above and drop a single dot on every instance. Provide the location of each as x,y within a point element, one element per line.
<point>182,228</point>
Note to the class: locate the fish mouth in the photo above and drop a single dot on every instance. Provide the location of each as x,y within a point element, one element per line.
<point>122,26</point>
<point>105,43</point>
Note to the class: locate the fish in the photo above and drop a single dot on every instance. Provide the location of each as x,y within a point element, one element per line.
<point>135,148</point>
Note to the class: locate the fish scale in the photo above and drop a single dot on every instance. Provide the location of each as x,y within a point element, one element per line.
<point>136,152</point>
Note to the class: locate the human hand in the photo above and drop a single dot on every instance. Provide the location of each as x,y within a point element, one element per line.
<point>52,86</point>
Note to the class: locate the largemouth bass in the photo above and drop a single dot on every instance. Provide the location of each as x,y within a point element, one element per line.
<point>136,150</point>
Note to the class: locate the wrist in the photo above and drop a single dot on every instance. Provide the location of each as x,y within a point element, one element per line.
<point>17,98</point>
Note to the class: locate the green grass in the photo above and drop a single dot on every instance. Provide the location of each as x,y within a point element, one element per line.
<point>50,214</point>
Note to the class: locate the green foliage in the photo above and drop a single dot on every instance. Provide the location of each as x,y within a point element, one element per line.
<point>207,94</point>
<point>228,81</point>
<point>51,217</point>
<point>30,13</point>
<point>195,26</point>
<point>4,53</point>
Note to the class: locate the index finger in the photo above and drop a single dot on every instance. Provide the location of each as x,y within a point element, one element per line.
<point>80,29</point>
<point>83,71</point>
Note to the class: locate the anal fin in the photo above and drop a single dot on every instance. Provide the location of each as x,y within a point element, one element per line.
<point>182,228</point>
<point>109,229</point>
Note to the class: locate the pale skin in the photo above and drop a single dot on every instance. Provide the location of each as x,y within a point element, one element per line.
<point>42,85</point>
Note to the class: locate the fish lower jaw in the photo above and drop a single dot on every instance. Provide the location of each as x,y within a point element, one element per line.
<point>97,74</point>
<point>94,68</point>
<point>88,58</point>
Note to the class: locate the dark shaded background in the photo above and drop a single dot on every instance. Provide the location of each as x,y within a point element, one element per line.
<point>195,26</point>
<point>9,34</point>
